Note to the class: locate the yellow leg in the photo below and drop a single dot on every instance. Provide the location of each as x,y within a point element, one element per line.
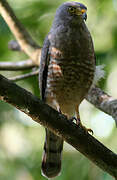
<point>77,115</point>
<point>78,121</point>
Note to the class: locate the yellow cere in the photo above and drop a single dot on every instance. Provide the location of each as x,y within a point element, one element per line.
<point>83,10</point>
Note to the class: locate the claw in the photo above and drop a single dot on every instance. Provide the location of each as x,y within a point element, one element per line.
<point>77,120</point>
<point>90,131</point>
<point>87,130</point>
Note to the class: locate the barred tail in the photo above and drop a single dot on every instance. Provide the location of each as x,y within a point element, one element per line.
<point>51,164</point>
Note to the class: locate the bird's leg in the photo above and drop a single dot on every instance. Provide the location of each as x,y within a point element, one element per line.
<point>59,110</point>
<point>78,122</point>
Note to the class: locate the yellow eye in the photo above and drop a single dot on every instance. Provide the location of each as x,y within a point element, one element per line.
<point>72,10</point>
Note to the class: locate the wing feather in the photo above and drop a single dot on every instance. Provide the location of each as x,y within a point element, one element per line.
<point>43,69</point>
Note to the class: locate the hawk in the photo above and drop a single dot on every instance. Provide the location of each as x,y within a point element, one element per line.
<point>67,69</point>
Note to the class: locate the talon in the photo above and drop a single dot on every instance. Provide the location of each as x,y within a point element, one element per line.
<point>78,122</point>
<point>76,119</point>
<point>90,131</point>
<point>72,119</point>
<point>87,130</point>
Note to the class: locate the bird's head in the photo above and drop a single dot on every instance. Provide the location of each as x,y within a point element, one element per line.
<point>71,11</point>
<point>77,9</point>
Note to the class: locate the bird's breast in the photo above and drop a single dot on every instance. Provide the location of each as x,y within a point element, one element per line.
<point>68,80</point>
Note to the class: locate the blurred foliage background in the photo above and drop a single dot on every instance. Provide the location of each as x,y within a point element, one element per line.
<point>21,139</point>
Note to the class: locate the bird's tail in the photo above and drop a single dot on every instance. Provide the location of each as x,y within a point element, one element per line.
<point>51,164</point>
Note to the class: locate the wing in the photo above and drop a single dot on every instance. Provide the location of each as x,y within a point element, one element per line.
<point>43,69</point>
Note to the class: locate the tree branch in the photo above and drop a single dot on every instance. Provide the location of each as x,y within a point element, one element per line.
<point>14,45</point>
<point>103,101</point>
<point>96,96</point>
<point>14,66</point>
<point>58,123</point>
<point>27,44</point>
<point>24,76</point>
<point>44,114</point>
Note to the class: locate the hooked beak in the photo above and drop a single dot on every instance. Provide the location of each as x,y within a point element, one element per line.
<point>82,12</point>
<point>84,16</point>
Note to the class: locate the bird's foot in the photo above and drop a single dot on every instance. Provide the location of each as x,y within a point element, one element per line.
<point>87,130</point>
<point>78,122</point>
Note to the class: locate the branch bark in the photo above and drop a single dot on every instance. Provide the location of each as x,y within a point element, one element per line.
<point>96,96</point>
<point>16,66</point>
<point>103,101</point>
<point>47,116</point>
<point>27,44</point>
<point>14,45</point>
<point>24,76</point>
<point>58,123</point>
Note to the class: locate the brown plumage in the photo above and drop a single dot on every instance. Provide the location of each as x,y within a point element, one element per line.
<point>66,73</point>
